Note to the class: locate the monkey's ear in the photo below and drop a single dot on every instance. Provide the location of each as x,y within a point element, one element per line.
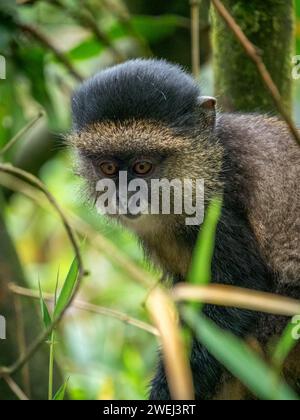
<point>207,108</point>
<point>207,102</point>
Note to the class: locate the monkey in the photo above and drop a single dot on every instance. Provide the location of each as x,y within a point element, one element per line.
<point>148,118</point>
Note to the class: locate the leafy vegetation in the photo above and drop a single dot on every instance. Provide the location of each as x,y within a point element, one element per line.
<point>49,47</point>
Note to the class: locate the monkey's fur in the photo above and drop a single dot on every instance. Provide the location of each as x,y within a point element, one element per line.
<point>152,109</point>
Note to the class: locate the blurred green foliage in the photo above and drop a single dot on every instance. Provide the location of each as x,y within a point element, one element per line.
<point>297,5</point>
<point>103,358</point>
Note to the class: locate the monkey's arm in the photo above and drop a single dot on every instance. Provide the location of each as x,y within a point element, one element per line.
<point>236,262</point>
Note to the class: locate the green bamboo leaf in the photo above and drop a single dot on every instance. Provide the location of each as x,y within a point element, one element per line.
<point>87,49</point>
<point>56,288</point>
<point>200,271</point>
<point>51,366</point>
<point>44,310</point>
<point>285,345</point>
<point>239,359</point>
<point>67,289</point>
<point>60,395</point>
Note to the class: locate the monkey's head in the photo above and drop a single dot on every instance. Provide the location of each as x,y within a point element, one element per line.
<point>148,120</point>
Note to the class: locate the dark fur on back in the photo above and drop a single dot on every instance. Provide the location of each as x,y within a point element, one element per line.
<point>265,183</point>
<point>138,89</point>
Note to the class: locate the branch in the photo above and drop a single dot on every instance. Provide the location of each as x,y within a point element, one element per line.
<point>236,297</point>
<point>31,179</point>
<point>15,388</point>
<point>87,19</point>
<point>85,306</point>
<point>44,40</point>
<point>21,340</point>
<point>23,359</point>
<point>253,54</point>
<point>99,241</point>
<point>177,366</point>
<point>21,133</point>
<point>195,36</point>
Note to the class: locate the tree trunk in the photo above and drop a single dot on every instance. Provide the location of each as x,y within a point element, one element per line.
<point>269,25</point>
<point>28,316</point>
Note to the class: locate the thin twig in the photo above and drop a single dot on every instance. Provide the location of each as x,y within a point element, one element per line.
<point>236,297</point>
<point>44,40</point>
<point>31,179</point>
<point>195,36</point>
<point>35,182</point>
<point>160,280</point>
<point>86,18</point>
<point>51,366</point>
<point>84,229</point>
<point>21,339</point>
<point>15,388</point>
<point>88,307</point>
<point>22,132</point>
<point>254,55</point>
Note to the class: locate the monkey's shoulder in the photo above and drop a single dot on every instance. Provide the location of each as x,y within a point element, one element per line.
<point>264,166</point>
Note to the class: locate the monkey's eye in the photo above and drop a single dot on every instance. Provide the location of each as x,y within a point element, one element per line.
<point>142,168</point>
<point>109,168</point>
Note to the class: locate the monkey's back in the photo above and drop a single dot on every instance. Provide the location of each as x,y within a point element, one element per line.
<point>265,163</point>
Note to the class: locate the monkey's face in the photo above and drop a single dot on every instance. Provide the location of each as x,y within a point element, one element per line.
<point>128,164</point>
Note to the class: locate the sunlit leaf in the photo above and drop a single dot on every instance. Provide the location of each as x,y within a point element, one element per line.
<point>67,290</point>
<point>60,395</point>
<point>89,48</point>
<point>44,310</point>
<point>200,272</point>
